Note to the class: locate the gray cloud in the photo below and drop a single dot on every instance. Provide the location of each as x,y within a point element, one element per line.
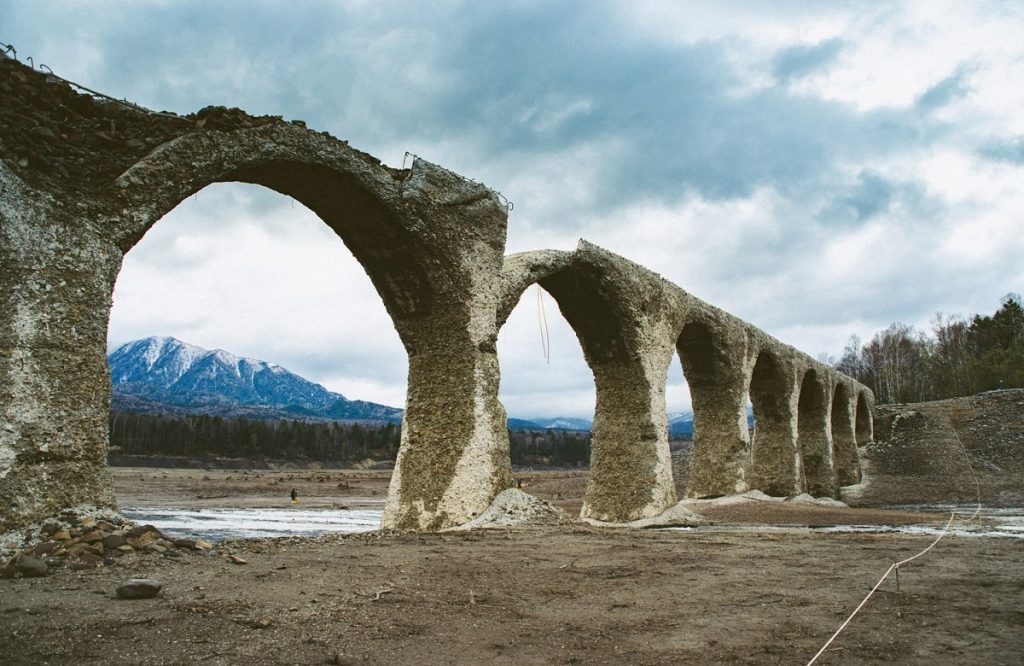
<point>518,79</point>
<point>801,60</point>
<point>872,195</point>
<point>951,88</point>
<point>1004,150</point>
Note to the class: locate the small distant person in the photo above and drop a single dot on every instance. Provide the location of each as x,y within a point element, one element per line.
<point>295,496</point>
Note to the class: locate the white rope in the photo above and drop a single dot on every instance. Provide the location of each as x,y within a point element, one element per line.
<point>542,321</point>
<point>895,566</point>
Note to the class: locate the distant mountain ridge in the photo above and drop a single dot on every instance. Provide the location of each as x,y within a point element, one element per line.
<point>166,375</point>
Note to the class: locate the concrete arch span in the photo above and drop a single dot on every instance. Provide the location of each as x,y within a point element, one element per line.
<point>613,305</point>
<point>432,242</point>
<point>629,320</point>
<point>407,229</point>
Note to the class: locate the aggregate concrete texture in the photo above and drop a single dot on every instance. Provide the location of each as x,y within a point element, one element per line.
<point>82,179</point>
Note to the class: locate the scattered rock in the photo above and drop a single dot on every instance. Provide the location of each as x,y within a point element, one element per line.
<point>115,540</point>
<point>91,537</point>
<point>139,588</point>
<point>30,567</point>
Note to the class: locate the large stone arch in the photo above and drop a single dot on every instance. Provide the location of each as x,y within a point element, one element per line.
<point>712,353</point>
<point>775,457</point>
<point>430,241</point>
<point>814,437</point>
<point>844,442</point>
<point>623,320</point>
<point>356,201</point>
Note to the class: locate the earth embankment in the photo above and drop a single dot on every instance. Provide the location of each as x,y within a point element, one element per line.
<point>921,452</point>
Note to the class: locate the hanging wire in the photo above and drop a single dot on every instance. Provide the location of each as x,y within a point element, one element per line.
<point>504,200</point>
<point>508,204</point>
<point>542,322</point>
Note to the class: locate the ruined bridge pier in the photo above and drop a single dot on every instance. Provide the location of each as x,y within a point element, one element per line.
<point>432,243</point>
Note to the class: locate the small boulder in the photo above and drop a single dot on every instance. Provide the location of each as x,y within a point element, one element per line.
<point>114,540</point>
<point>30,566</point>
<point>139,588</point>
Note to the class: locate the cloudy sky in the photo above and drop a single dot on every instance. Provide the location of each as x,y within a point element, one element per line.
<point>818,169</point>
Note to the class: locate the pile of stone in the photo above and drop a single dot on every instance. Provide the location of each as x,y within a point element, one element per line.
<point>514,508</point>
<point>78,543</point>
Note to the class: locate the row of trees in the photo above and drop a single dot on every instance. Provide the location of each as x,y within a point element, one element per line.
<point>336,443</point>
<point>202,436</point>
<point>959,357</point>
<point>549,448</point>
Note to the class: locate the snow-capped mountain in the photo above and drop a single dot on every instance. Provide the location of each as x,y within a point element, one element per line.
<point>680,424</point>
<point>160,374</point>
<point>564,423</point>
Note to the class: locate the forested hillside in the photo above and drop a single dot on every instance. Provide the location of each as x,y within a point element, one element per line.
<point>959,357</point>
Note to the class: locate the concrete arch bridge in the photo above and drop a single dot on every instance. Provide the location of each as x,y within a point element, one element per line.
<point>83,178</point>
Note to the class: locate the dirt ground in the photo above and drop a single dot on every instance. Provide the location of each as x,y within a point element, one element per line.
<point>736,595</point>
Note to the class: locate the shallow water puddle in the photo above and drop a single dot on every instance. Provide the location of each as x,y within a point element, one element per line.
<point>219,524</point>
